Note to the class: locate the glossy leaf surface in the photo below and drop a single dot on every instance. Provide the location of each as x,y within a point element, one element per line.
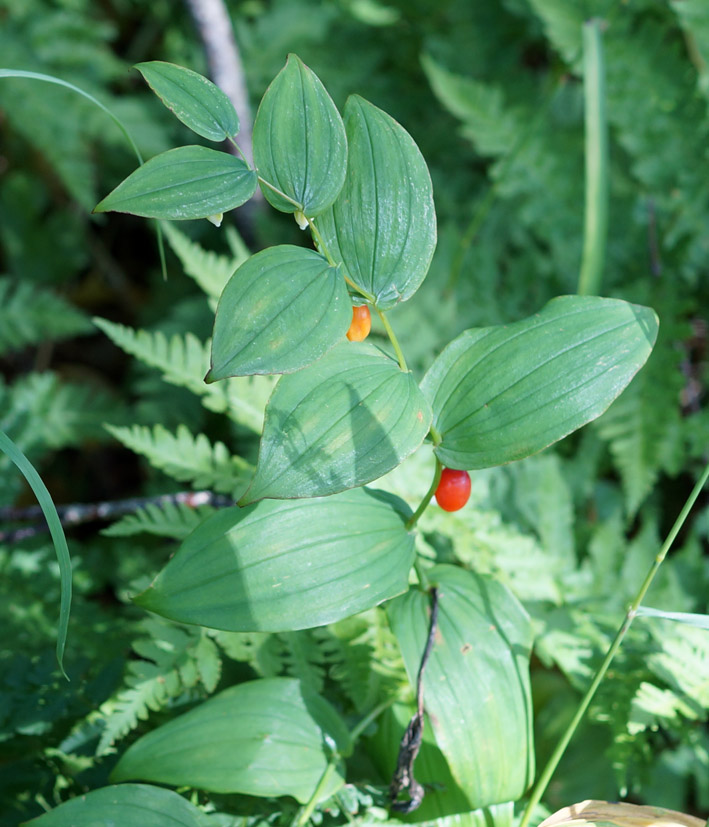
<point>196,101</point>
<point>278,566</point>
<point>299,141</point>
<point>476,684</point>
<point>281,310</point>
<point>383,225</point>
<point>136,804</point>
<point>502,393</point>
<point>343,421</point>
<point>188,182</point>
<point>264,737</point>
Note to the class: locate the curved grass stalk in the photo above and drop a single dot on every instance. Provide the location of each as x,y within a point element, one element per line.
<point>44,498</point>
<point>630,615</point>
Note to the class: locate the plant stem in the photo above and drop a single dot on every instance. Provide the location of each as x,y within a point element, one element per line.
<point>369,717</point>
<point>241,152</point>
<point>322,246</point>
<point>307,811</point>
<point>553,762</point>
<point>278,192</point>
<point>596,222</point>
<point>393,340</point>
<point>423,505</point>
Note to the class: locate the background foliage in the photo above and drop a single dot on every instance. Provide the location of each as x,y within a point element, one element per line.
<point>91,336</point>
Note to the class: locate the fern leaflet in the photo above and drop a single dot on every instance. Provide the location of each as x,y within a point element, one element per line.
<point>174,660</point>
<point>186,458</point>
<point>184,360</point>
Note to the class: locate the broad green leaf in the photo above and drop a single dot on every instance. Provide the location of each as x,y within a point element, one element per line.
<point>196,101</point>
<point>279,566</point>
<point>266,737</point>
<point>383,225</point>
<point>280,311</point>
<point>299,141</point>
<point>188,182</point>
<point>476,684</point>
<point>502,393</point>
<point>139,804</point>
<point>343,421</point>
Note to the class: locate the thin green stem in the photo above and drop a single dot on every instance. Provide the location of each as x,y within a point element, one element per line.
<point>307,811</point>
<point>553,762</point>
<point>239,150</point>
<point>369,717</point>
<point>427,498</point>
<point>279,192</point>
<point>393,340</point>
<point>304,815</point>
<point>322,246</point>
<point>596,221</point>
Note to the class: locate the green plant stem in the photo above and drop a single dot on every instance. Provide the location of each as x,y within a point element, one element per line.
<point>307,811</point>
<point>44,498</point>
<point>553,762</point>
<point>596,220</point>
<point>393,339</point>
<point>359,728</point>
<point>322,246</point>
<point>423,505</point>
<point>278,192</point>
<point>304,815</point>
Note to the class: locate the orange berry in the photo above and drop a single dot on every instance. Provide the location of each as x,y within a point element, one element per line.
<point>453,490</point>
<point>361,324</point>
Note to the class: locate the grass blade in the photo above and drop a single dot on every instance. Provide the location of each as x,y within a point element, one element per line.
<point>44,499</point>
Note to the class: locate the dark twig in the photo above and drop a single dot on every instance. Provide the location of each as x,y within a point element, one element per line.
<point>411,742</point>
<point>80,513</point>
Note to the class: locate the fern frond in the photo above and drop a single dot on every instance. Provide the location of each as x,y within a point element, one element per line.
<point>481,108</point>
<point>174,660</point>
<point>184,361</point>
<point>642,434</point>
<point>210,270</point>
<point>363,658</point>
<point>170,519</point>
<point>185,457</point>
<point>30,314</point>
<point>304,658</point>
<point>40,412</point>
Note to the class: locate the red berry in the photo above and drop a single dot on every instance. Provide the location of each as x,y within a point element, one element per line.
<point>361,324</point>
<point>453,490</point>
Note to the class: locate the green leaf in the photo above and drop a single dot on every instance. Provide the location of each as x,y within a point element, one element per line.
<point>383,225</point>
<point>701,621</point>
<point>187,182</point>
<point>265,737</point>
<point>502,393</point>
<point>344,421</point>
<point>46,503</point>
<point>476,684</point>
<point>279,566</point>
<point>124,804</point>
<point>196,101</point>
<point>299,141</point>
<point>280,311</point>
